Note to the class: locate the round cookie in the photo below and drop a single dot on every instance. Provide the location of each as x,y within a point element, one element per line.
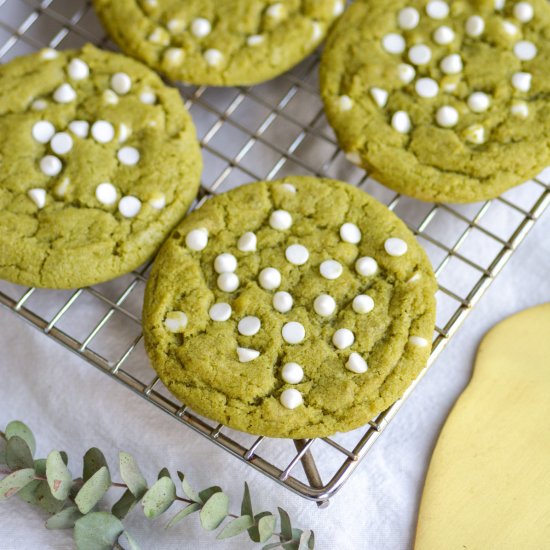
<point>219,42</point>
<point>295,308</point>
<point>98,162</point>
<point>442,101</point>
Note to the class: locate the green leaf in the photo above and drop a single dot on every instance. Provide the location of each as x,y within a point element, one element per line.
<point>18,454</point>
<point>97,531</point>
<point>3,458</point>
<point>17,428</point>
<point>132,543</point>
<point>64,457</point>
<point>93,490</point>
<point>46,500</point>
<point>64,519</point>
<point>132,476</point>
<point>254,531</point>
<point>246,506</point>
<point>307,540</point>
<point>28,493</point>
<point>205,495</point>
<point>274,545</point>
<point>59,477</point>
<point>40,467</point>
<point>14,482</point>
<point>286,525</point>
<point>266,526</point>
<point>94,460</point>
<point>122,507</point>
<point>189,492</point>
<point>159,498</point>
<point>192,508</point>
<point>164,473</point>
<point>236,527</point>
<point>214,511</point>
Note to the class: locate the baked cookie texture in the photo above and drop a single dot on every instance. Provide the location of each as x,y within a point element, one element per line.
<point>295,308</point>
<point>219,42</point>
<point>442,101</point>
<point>98,162</point>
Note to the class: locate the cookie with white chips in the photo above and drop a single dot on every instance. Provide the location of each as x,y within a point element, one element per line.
<point>219,42</point>
<point>98,162</point>
<point>294,308</point>
<point>442,100</point>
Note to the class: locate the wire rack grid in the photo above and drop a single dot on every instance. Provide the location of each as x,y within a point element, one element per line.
<point>272,130</point>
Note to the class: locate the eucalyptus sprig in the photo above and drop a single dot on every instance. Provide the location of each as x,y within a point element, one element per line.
<point>75,503</point>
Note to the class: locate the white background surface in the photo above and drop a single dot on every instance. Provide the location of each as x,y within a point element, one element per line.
<point>72,406</point>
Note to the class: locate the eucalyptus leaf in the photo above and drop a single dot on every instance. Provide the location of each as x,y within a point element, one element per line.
<point>159,497</point>
<point>266,526</point>
<point>59,477</point>
<point>189,492</point>
<point>18,454</point>
<point>64,519</point>
<point>14,482</point>
<point>307,540</point>
<point>132,543</point>
<point>236,527</point>
<point>97,531</point>
<point>246,506</point>
<point>208,493</point>
<point>93,490</point>
<point>64,457</point>
<point>122,507</point>
<point>3,458</point>
<point>286,525</point>
<point>164,473</point>
<point>40,467</point>
<point>254,532</point>
<point>93,461</point>
<point>28,493</point>
<point>214,511</point>
<point>188,510</point>
<point>17,428</point>
<point>46,500</point>
<point>132,476</point>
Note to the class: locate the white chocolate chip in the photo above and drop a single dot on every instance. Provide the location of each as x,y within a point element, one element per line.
<point>401,122</point>
<point>366,266</point>
<point>64,94</point>
<point>220,312</point>
<point>255,40</point>
<point>350,233</point>
<point>436,9</point>
<point>213,57</point>
<point>449,83</point>
<point>509,28</point>
<point>324,305</point>
<point>157,201</point>
<point>420,54</point>
<point>499,4</point>
<point>201,27</point>
<point>408,18</point>
<point>297,254</point>
<point>175,25</point>
<point>426,87</point>
<point>103,131</point>
<point>49,54</point>
<point>106,193</point>
<point>522,81</point>
<point>451,64</point>
<point>148,97</point>
<point>291,399</point>
<point>176,321</point>
<point>160,37</point>
<point>61,189</point>
<point>38,196</point>
<point>339,7</point>
<point>414,278</point>
<point>356,363</point>
<point>269,278</point>
<point>43,131</point>
<point>129,206</point>
<point>475,134</point>
<point>246,355</point>
<point>78,69</point>
<point>444,35</point>
<point>281,220</point>
<point>128,156</point>
<point>418,341</point>
<point>289,188</point>
<point>228,282</point>
<point>362,304</point>
<point>276,11</point>
<point>523,11</point>
<point>525,50</point>
<point>124,132</point>
<point>380,96</point>
<point>282,302</point>
<point>317,31</point>
<point>80,128</point>
<point>197,239</point>
<point>396,247</point>
<point>50,165</point>
<point>479,102</point>
<point>121,83</point>
<point>110,97</point>
<point>61,143</point>
<point>292,373</point>
<point>345,103</point>
<point>331,269</point>
<point>393,43</point>
<point>293,332</point>
<point>247,242</point>
<point>447,116</point>
<point>475,25</point>
<point>520,109</point>
<point>343,338</point>
<point>39,105</point>
<point>174,56</point>
<point>249,325</point>
<point>406,72</point>
<point>225,263</point>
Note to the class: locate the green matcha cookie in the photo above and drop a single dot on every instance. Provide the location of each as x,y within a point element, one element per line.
<point>443,101</point>
<point>98,162</point>
<point>219,42</point>
<point>294,308</point>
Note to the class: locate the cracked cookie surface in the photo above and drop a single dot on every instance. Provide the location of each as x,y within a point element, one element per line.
<point>98,162</point>
<point>442,101</point>
<point>294,308</point>
<point>219,42</point>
